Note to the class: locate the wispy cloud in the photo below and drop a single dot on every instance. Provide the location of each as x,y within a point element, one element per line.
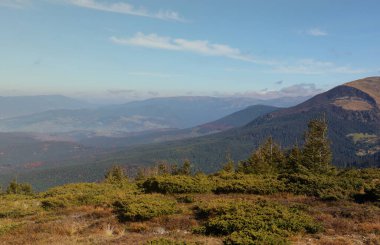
<point>202,47</point>
<point>15,3</point>
<point>311,66</point>
<point>316,32</point>
<point>151,74</point>
<point>126,8</point>
<point>296,90</point>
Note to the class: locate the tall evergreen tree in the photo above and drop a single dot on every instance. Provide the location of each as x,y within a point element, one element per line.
<point>316,153</point>
<point>294,161</point>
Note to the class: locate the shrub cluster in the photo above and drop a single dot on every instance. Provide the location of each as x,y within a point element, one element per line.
<point>177,184</point>
<point>343,185</point>
<point>321,186</point>
<point>248,184</point>
<point>19,188</point>
<point>17,206</point>
<point>373,193</point>
<point>246,222</point>
<point>145,207</point>
<point>97,194</point>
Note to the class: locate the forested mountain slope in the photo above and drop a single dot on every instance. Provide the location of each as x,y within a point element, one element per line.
<point>352,112</point>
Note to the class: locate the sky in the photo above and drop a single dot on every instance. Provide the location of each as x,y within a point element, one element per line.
<point>133,49</point>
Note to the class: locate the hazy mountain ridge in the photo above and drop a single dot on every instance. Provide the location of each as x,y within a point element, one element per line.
<point>14,106</point>
<point>152,114</point>
<point>233,120</point>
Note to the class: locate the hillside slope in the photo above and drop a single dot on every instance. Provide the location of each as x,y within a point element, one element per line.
<point>354,129</point>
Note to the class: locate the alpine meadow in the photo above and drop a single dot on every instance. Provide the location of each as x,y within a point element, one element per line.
<point>189,122</point>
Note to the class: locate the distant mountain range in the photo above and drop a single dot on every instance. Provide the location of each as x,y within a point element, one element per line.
<point>233,120</point>
<point>36,157</point>
<point>352,111</point>
<point>138,116</point>
<point>26,105</point>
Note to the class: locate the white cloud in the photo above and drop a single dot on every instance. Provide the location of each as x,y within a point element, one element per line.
<point>316,32</point>
<point>304,89</point>
<point>296,90</point>
<point>126,8</point>
<point>203,47</point>
<point>15,3</point>
<point>311,66</point>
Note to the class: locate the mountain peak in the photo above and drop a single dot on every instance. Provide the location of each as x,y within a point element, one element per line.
<point>369,85</point>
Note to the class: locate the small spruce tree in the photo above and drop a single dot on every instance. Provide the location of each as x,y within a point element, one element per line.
<point>293,162</point>
<point>163,168</point>
<point>115,175</point>
<point>229,166</point>
<point>19,188</point>
<point>268,158</point>
<point>140,175</point>
<point>174,169</point>
<point>186,168</point>
<point>316,153</point>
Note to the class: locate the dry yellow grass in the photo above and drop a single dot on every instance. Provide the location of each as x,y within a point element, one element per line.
<point>353,105</point>
<point>370,85</point>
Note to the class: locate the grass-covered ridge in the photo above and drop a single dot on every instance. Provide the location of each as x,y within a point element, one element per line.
<point>226,207</point>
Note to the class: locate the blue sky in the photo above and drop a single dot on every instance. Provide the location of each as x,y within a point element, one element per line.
<point>129,49</point>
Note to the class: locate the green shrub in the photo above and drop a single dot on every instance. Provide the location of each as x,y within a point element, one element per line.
<point>86,194</point>
<point>144,207</point>
<point>17,206</point>
<point>248,184</point>
<point>19,188</point>
<point>177,184</point>
<point>55,203</point>
<point>326,187</point>
<point>373,193</point>
<point>367,175</point>
<point>185,199</point>
<point>249,222</point>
